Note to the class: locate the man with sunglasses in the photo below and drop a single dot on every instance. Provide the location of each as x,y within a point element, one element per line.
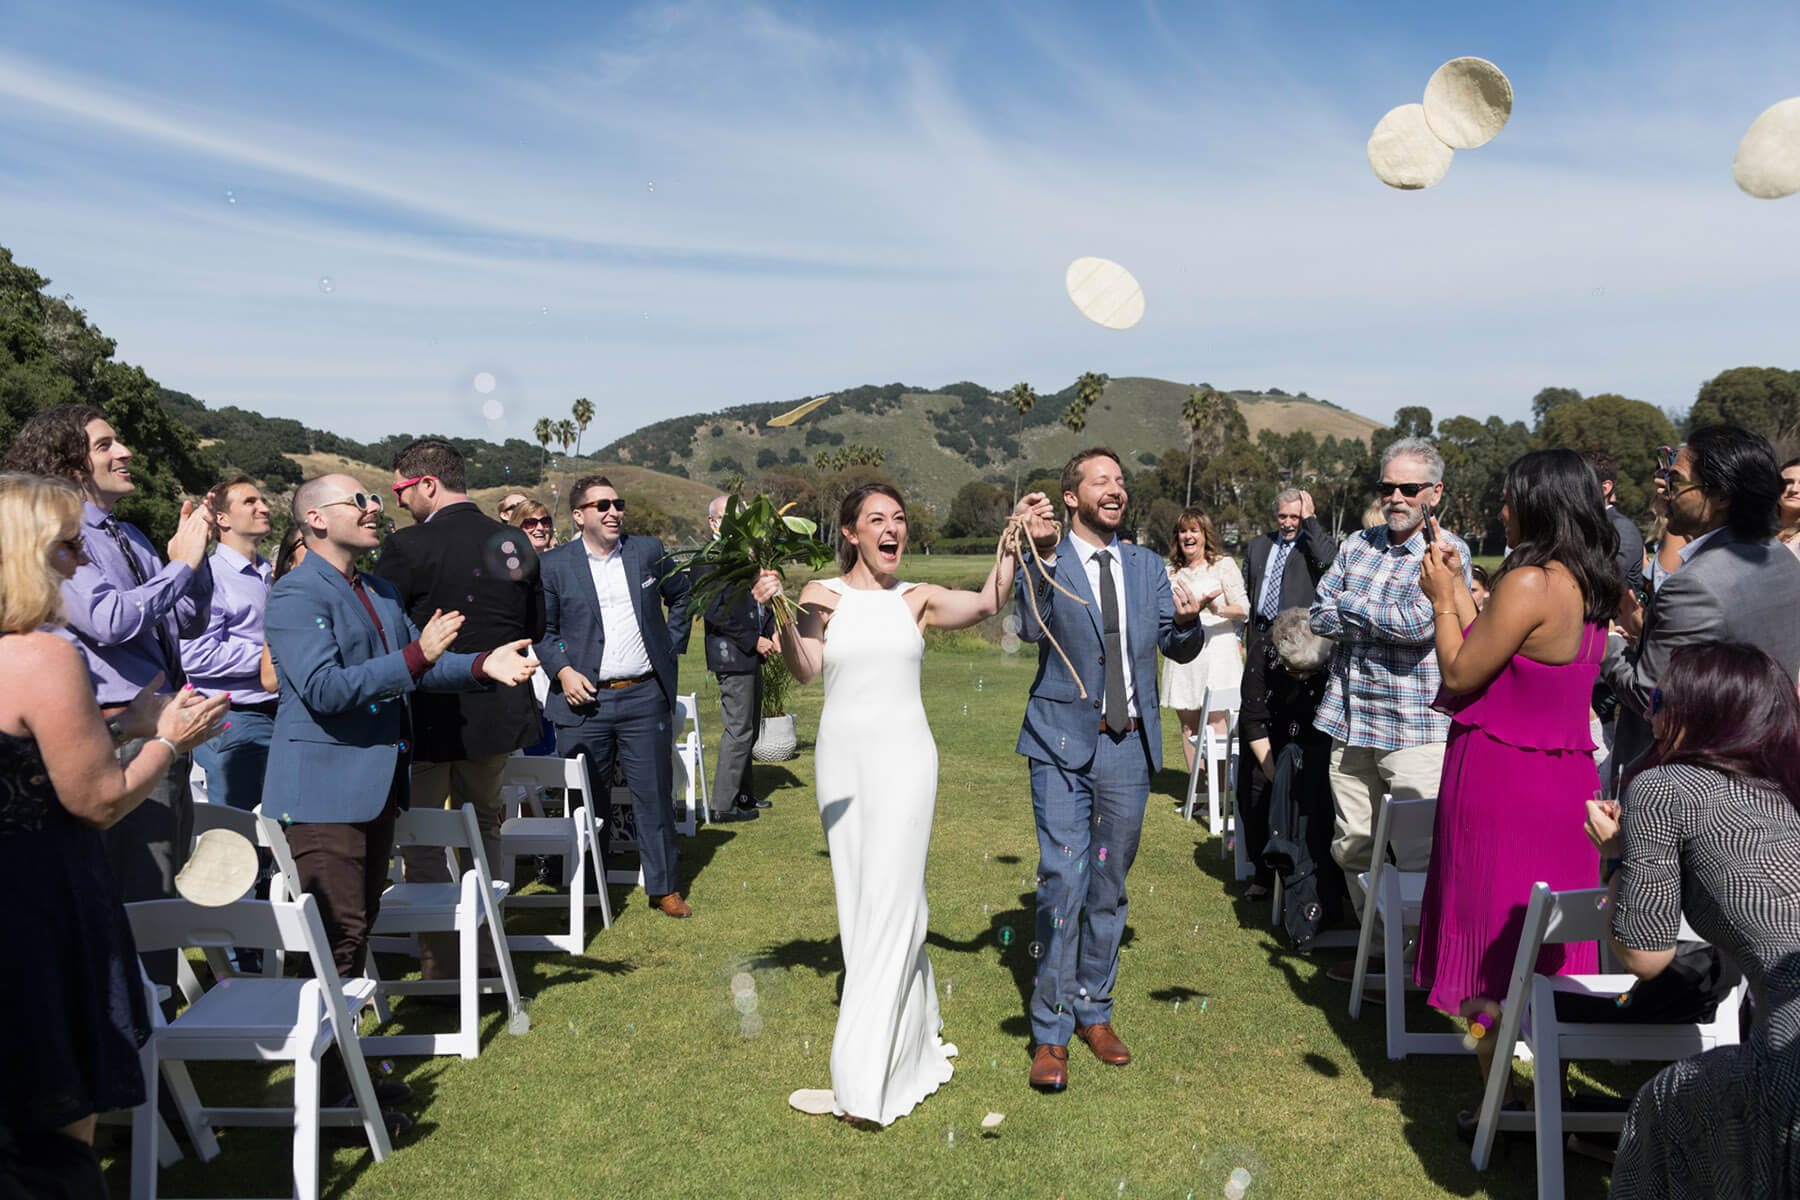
<point>457,557</point>
<point>1385,736</point>
<point>611,651</point>
<point>1733,581</point>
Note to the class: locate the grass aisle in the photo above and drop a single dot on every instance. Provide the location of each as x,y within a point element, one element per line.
<point>637,1078</point>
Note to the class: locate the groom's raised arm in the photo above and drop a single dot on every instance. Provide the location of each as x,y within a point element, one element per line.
<point>1179,642</point>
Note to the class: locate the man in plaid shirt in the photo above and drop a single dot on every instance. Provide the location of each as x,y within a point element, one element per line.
<point>1385,737</point>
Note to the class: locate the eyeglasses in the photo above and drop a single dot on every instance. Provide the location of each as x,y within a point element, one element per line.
<point>406,483</point>
<point>603,505</point>
<point>1678,486</point>
<point>1409,490</point>
<point>362,500</point>
<point>535,523</point>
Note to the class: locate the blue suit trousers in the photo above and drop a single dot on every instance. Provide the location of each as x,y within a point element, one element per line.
<point>632,726</point>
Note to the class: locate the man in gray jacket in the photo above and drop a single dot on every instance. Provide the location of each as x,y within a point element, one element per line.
<point>1735,583</point>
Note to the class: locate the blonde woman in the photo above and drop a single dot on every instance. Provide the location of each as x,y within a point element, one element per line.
<point>74,1013</point>
<point>538,525</point>
<point>1199,561</point>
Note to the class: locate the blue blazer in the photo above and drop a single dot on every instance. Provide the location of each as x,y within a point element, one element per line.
<point>574,635</point>
<point>1060,727</point>
<point>344,714</point>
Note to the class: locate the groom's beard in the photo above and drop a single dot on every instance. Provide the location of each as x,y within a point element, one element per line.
<point>1095,518</point>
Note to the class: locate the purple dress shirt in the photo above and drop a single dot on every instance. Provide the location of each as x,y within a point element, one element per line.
<point>228,655</point>
<point>114,621</point>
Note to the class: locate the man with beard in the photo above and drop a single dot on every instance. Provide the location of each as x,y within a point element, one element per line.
<point>1385,736</point>
<point>1093,744</point>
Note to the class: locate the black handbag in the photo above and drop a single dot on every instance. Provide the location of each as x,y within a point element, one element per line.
<point>1689,989</point>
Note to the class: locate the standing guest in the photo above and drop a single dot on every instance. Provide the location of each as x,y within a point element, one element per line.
<point>612,650</point>
<point>74,1011</point>
<point>458,558</point>
<point>739,635</point>
<point>1281,571</point>
<point>509,506</point>
<point>287,556</point>
<point>1199,560</point>
<point>1789,506</point>
<point>1630,552</point>
<point>128,612</point>
<point>537,524</point>
<point>1386,736</point>
<point>1091,758</point>
<point>1709,830</point>
<point>1735,582</point>
<point>1519,766</point>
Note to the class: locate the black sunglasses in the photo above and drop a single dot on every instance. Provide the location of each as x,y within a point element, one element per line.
<point>534,523</point>
<point>1409,490</point>
<point>601,506</point>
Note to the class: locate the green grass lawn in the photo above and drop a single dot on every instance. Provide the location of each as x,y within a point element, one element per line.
<point>637,1079</point>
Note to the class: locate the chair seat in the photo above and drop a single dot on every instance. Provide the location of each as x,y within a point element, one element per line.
<point>1412,893</point>
<point>417,901</point>
<point>239,1008</point>
<point>537,835</point>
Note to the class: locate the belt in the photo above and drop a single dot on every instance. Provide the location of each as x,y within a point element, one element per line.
<point>1131,726</point>
<point>617,684</point>
<point>265,707</point>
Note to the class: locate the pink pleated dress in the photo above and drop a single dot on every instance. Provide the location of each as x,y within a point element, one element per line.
<point>1518,771</point>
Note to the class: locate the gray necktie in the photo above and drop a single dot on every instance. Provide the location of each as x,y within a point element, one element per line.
<point>1270,601</point>
<point>1114,712</point>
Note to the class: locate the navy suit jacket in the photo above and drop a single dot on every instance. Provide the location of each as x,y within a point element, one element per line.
<point>1060,727</point>
<point>574,635</point>
<point>344,712</point>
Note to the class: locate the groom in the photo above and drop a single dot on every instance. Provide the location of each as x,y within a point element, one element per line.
<point>1091,758</point>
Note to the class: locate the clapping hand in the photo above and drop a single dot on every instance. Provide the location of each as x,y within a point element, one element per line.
<point>1603,826</point>
<point>193,534</point>
<point>188,718</point>
<point>140,716</point>
<point>1187,604</point>
<point>438,633</point>
<point>510,664</point>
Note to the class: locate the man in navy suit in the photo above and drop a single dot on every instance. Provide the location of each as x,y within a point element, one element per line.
<point>610,652</point>
<point>1091,758</point>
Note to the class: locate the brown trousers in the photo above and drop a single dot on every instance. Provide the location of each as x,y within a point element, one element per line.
<point>345,869</point>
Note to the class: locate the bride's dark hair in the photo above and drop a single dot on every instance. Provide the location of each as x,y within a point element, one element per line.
<point>851,509</point>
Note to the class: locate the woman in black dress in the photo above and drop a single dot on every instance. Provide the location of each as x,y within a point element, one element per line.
<point>74,1017</point>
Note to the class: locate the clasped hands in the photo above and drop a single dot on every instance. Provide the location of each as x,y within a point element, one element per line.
<point>1603,826</point>
<point>509,664</point>
<point>1441,572</point>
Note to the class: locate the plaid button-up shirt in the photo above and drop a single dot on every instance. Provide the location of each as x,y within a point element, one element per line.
<point>1384,672</point>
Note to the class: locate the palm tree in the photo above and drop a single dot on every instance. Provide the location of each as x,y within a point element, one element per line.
<point>1020,399</point>
<point>1075,416</point>
<point>1088,389</point>
<point>544,431</point>
<point>583,412</point>
<point>1196,412</point>
<point>566,433</point>
<point>822,460</point>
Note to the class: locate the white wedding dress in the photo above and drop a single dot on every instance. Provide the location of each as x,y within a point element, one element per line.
<point>877,780</point>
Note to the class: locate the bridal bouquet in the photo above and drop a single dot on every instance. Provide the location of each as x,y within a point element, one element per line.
<point>753,537</point>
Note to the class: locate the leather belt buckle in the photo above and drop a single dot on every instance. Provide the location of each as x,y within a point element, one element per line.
<point>1131,726</point>
<point>620,684</point>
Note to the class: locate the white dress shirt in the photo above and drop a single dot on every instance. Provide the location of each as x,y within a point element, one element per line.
<point>623,656</point>
<point>1091,565</point>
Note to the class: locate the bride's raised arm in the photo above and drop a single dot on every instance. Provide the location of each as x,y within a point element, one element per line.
<point>802,641</point>
<point>954,608</point>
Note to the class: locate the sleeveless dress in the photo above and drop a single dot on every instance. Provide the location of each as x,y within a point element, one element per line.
<point>877,782</point>
<point>73,1015</point>
<point>1220,662</point>
<point>1518,771</point>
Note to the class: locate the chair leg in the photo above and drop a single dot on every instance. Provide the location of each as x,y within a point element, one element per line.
<point>306,1127</point>
<point>1393,976</point>
<point>144,1123</point>
<point>1546,1087</point>
<point>1364,939</point>
<point>578,891</point>
<point>468,1037</point>
<point>187,1103</point>
<point>509,980</point>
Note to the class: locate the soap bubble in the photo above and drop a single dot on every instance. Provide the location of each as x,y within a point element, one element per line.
<point>493,410</point>
<point>1102,854</point>
<point>485,382</point>
<point>327,285</point>
<point>387,1066</point>
<point>950,1135</point>
<point>1006,935</point>
<point>750,1024</point>
<point>806,1047</point>
<point>230,197</point>
<point>744,1002</point>
<point>742,982</point>
<point>1036,950</point>
<point>949,988</point>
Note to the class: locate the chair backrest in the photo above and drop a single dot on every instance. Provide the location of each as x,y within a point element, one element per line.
<point>1402,820</point>
<point>689,708</point>
<point>197,785</point>
<point>271,836</point>
<point>570,774</point>
<point>453,829</point>
<point>1226,699</point>
<point>181,924</point>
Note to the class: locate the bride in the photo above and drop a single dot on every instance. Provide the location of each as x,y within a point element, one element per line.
<point>877,783</point>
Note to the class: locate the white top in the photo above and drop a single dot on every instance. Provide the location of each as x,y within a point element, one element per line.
<point>1089,563</point>
<point>623,656</point>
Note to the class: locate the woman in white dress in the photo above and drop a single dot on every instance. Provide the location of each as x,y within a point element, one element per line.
<point>1199,560</point>
<point>877,784</point>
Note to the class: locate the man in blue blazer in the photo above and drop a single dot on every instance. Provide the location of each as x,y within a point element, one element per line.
<point>1091,757</point>
<point>610,651</point>
<point>346,659</point>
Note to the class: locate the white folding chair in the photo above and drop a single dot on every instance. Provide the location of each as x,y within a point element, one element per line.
<point>181,1092</point>
<point>690,767</point>
<point>1215,756</point>
<point>1529,1018</point>
<point>462,906</point>
<point>197,785</point>
<point>247,826</point>
<point>256,1020</point>
<point>574,836</point>
<point>1394,898</point>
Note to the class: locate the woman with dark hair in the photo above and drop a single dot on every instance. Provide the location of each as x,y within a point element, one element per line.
<point>1198,559</point>
<point>877,780</point>
<point>290,555</point>
<point>1788,507</point>
<point>1519,762</point>
<point>1710,830</point>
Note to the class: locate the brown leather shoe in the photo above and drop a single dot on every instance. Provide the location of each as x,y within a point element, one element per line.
<point>1104,1043</point>
<point>672,904</point>
<point>1050,1067</point>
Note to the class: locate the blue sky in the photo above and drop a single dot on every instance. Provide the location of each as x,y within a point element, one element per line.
<point>672,207</point>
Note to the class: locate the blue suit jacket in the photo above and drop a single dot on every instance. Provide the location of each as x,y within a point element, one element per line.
<point>344,712</point>
<point>574,635</point>
<point>1060,727</point>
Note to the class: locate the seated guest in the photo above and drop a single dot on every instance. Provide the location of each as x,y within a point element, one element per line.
<point>1519,764</point>
<point>1710,830</point>
<point>1281,696</point>
<point>73,1012</point>
<point>537,524</point>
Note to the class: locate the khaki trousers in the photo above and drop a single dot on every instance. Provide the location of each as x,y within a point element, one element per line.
<point>474,781</point>
<point>1359,777</point>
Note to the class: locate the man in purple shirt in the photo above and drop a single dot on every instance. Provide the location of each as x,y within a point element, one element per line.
<point>127,612</point>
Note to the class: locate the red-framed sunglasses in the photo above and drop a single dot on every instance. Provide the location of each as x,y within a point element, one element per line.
<point>406,483</point>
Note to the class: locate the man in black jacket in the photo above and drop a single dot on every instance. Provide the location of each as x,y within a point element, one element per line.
<point>738,636</point>
<point>458,558</point>
<point>1281,570</point>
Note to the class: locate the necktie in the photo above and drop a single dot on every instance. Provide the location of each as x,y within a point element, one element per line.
<point>1114,711</point>
<point>1270,602</point>
<point>170,651</point>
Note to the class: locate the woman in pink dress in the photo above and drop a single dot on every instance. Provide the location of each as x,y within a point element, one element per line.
<point>1519,765</point>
